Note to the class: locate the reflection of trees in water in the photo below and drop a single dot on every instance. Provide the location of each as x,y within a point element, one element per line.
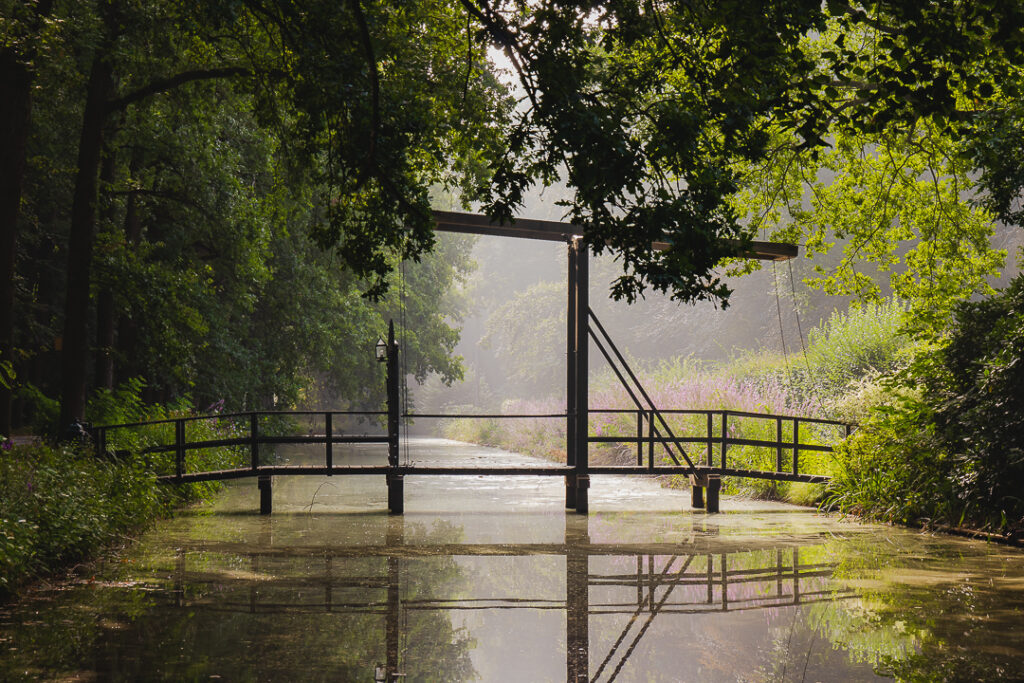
<point>921,613</point>
<point>268,614</point>
<point>341,615</point>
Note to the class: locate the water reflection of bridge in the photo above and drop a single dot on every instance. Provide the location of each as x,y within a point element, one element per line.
<point>641,580</point>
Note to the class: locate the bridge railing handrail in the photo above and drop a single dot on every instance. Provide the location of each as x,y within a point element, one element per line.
<point>722,438</point>
<point>180,445</point>
<point>483,416</point>
<point>718,411</point>
<point>247,413</point>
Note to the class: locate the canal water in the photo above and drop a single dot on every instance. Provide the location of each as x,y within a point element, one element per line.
<point>490,579</point>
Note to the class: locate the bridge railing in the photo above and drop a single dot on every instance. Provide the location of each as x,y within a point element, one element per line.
<point>240,436</point>
<point>237,437</point>
<point>724,428</point>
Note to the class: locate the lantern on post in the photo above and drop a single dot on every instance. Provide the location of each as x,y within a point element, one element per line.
<point>381,349</point>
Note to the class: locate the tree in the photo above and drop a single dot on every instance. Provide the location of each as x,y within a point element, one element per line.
<point>23,28</point>
<point>191,200</point>
<point>649,111</point>
<point>974,386</point>
<point>120,30</point>
<point>376,154</point>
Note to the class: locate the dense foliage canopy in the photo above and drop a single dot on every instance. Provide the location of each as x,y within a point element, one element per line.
<point>168,163</point>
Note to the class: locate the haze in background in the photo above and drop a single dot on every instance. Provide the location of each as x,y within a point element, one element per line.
<point>513,330</point>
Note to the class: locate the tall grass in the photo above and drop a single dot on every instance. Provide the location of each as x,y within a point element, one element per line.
<point>847,347</point>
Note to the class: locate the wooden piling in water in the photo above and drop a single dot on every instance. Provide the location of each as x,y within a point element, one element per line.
<point>714,485</point>
<point>697,491</point>
<point>396,493</point>
<point>266,493</point>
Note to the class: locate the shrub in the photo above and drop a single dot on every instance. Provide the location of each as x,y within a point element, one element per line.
<point>947,442</point>
<point>60,504</point>
<point>893,467</point>
<point>839,377</point>
<point>975,385</point>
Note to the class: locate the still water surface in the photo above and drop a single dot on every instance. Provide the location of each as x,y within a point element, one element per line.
<point>490,579</point>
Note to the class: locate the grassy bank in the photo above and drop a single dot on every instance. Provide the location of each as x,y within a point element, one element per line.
<point>62,504</point>
<point>943,443</point>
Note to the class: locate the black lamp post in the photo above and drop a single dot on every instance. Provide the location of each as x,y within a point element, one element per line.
<point>387,352</point>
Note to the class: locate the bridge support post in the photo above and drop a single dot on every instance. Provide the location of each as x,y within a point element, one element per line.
<point>570,379</point>
<point>697,485</point>
<point>263,483</point>
<point>579,279</point>
<point>396,493</point>
<point>714,486</point>
<point>701,484</point>
<point>582,493</point>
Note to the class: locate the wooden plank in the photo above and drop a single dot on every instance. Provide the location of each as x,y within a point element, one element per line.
<point>414,470</point>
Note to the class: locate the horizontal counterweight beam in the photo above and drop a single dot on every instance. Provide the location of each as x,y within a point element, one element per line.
<point>556,231</point>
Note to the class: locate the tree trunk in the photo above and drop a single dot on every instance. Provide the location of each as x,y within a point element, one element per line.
<point>105,319</point>
<point>15,115</point>
<point>75,354</point>
<point>127,328</point>
<point>105,336</point>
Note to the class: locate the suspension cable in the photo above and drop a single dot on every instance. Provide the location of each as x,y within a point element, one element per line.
<point>782,333</point>
<point>800,330</point>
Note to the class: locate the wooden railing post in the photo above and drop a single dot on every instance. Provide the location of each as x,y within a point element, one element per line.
<point>98,436</point>
<point>725,435</point>
<point>650,442</point>
<point>778,444</point>
<point>796,445</point>
<point>711,438</point>
<point>329,446</point>
<point>254,443</point>
<point>179,448</point>
<point>639,438</point>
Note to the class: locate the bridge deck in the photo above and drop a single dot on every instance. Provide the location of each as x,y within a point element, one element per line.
<point>434,470</point>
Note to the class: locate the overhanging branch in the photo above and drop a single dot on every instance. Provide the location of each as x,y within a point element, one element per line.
<point>164,84</point>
